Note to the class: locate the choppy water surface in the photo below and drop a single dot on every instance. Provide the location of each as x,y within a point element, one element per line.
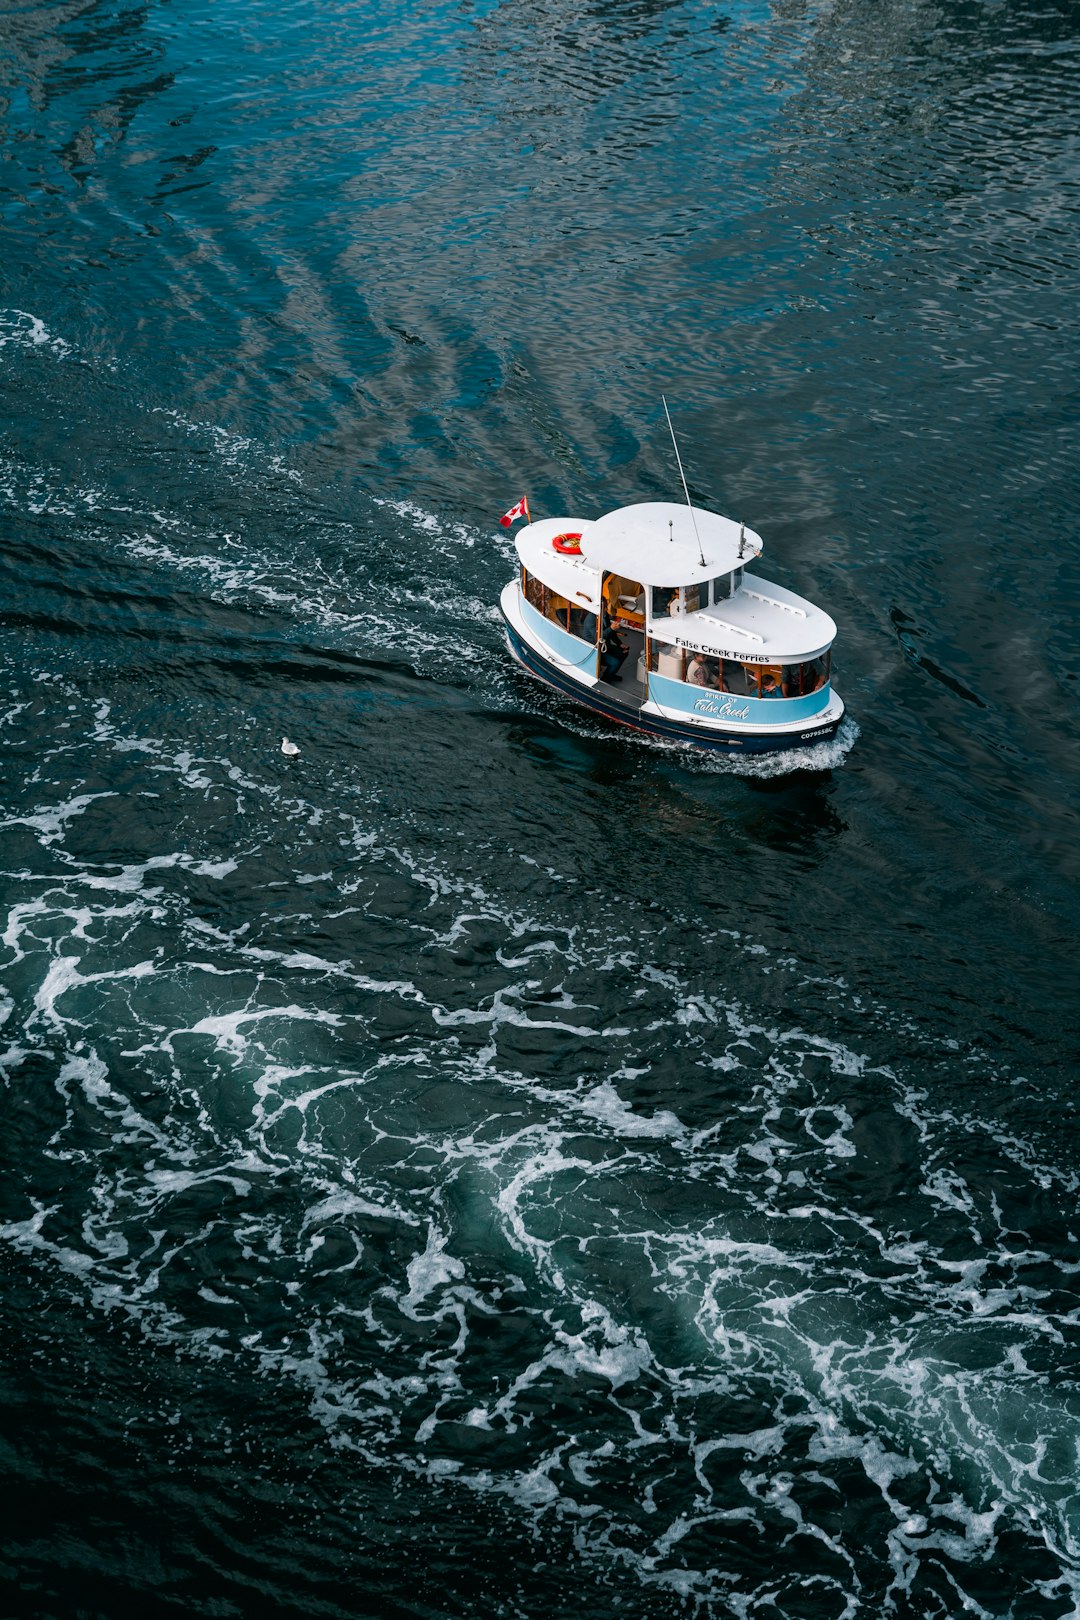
<point>488,1166</point>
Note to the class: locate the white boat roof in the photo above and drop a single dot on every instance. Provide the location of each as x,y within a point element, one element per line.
<point>656,542</point>
<point>571,576</point>
<point>762,623</point>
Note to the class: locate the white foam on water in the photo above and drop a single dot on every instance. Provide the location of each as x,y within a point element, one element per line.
<point>63,976</point>
<point>51,823</point>
<point>341,1202</point>
<point>229,1031</point>
<point>430,1272</point>
<point>243,576</point>
<point>277,465</point>
<point>238,572</point>
<point>452,536</point>
<point>167,1182</point>
<point>650,1274</point>
<point>12,714</point>
<point>41,489</point>
<point>231,447</point>
<point>22,330</point>
<point>604,1348</point>
<point>604,1104</point>
<point>304,961</point>
<point>829,754</point>
<point>27,1236</point>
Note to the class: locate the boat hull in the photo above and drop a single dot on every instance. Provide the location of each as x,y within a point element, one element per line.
<point>714,738</point>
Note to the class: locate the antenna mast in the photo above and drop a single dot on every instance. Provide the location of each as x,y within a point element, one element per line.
<point>682,475</point>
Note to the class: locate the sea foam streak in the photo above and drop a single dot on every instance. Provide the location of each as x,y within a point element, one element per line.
<point>669,1317</point>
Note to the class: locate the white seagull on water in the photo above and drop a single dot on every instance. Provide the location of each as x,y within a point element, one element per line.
<point>289,749</point>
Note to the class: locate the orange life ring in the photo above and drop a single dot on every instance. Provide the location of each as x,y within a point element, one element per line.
<point>568,544</point>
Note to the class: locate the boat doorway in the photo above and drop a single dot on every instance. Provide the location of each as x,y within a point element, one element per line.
<point>630,683</point>
<point>624,608</point>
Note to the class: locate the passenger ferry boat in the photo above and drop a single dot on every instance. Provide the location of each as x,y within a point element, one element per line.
<point>712,654</point>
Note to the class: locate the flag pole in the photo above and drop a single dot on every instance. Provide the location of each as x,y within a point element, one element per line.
<point>682,475</point>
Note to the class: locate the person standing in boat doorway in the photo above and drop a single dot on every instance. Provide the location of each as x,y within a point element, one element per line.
<point>613,651</point>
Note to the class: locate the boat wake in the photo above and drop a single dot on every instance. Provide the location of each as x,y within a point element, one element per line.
<point>527,1214</point>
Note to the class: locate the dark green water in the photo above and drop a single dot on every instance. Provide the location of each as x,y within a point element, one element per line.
<point>488,1166</point>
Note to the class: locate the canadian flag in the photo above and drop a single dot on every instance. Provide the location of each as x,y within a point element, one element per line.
<point>521,510</point>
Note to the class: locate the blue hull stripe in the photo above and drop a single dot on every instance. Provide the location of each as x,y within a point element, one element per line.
<point>655,725</point>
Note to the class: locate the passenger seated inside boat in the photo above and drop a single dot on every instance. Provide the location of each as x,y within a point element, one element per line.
<point>613,653</point>
<point>703,671</point>
<point>740,679</point>
<point>799,680</point>
<point>582,623</point>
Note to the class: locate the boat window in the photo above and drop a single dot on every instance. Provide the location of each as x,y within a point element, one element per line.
<point>668,601</point>
<point>571,616</point>
<point>775,680</point>
<point>740,679</point>
<point>703,670</point>
<point>556,608</point>
<point>801,679</point>
<point>624,598</point>
<point>721,588</point>
<point>665,660</point>
<point>736,580</point>
<point>582,623</point>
